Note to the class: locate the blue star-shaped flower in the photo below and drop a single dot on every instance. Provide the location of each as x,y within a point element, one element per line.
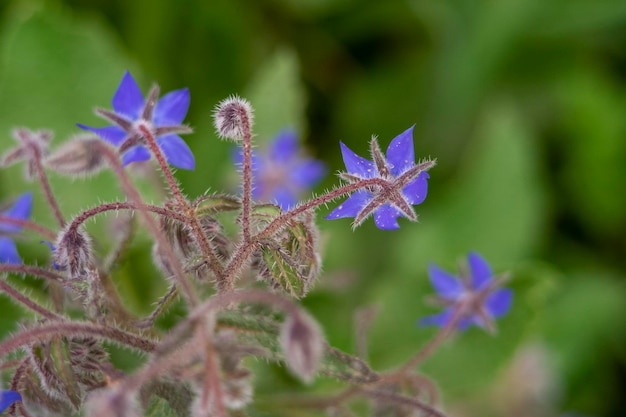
<point>164,118</point>
<point>20,210</point>
<point>281,174</point>
<point>478,297</point>
<point>402,184</point>
<point>7,398</point>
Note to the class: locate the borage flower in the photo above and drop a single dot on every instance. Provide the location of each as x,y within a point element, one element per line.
<point>162,117</point>
<point>399,183</point>
<point>20,210</point>
<point>474,299</point>
<point>7,398</point>
<point>281,174</point>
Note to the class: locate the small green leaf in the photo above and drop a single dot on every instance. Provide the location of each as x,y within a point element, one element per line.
<point>158,407</point>
<point>217,203</point>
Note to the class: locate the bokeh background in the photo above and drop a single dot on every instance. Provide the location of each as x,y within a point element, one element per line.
<point>522,102</point>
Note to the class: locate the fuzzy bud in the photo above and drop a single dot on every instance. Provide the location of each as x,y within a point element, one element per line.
<point>80,155</point>
<point>303,344</point>
<point>111,402</point>
<point>233,117</point>
<point>73,251</point>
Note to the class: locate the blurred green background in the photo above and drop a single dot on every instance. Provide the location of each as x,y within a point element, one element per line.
<point>522,102</point>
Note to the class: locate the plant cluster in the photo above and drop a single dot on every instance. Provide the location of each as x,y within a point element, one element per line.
<point>240,282</point>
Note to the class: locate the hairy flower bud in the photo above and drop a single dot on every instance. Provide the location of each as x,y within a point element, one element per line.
<point>233,117</point>
<point>111,402</point>
<point>73,251</point>
<point>303,344</point>
<point>80,155</point>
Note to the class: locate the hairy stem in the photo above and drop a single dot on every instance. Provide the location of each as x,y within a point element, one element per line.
<point>77,329</point>
<point>31,270</point>
<point>27,302</point>
<point>27,224</point>
<point>45,184</point>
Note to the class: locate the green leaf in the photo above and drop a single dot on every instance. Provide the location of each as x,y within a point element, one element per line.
<point>159,407</point>
<point>216,203</point>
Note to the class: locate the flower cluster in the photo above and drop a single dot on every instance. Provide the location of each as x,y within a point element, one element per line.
<point>199,366</point>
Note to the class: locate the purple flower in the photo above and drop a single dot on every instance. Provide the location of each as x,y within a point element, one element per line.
<point>163,118</point>
<point>400,183</point>
<point>476,298</point>
<point>7,398</point>
<point>281,174</point>
<point>20,210</point>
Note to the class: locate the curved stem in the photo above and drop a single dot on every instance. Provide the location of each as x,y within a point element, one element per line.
<point>27,302</point>
<point>45,184</point>
<point>35,227</point>
<point>191,218</point>
<point>154,228</point>
<point>31,270</point>
<point>78,329</point>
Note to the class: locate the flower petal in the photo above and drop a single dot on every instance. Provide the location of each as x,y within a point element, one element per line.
<point>386,217</point>
<point>479,270</point>
<point>135,154</point>
<point>115,135</point>
<point>8,251</point>
<point>284,198</point>
<point>7,398</point>
<point>308,173</point>
<point>416,191</point>
<point>440,319</point>
<point>400,153</point>
<point>172,108</point>
<point>128,99</point>
<point>20,210</point>
<point>350,207</point>
<point>355,164</point>
<point>284,147</point>
<point>498,303</point>
<point>177,152</point>
<point>447,285</point>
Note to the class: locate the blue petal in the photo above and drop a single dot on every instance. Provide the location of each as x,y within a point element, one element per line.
<point>177,152</point>
<point>308,173</point>
<point>386,217</point>
<point>447,285</point>
<point>416,191</point>
<point>115,135</point>
<point>440,319</point>
<point>20,210</point>
<point>172,108</point>
<point>284,198</point>
<point>128,99</point>
<point>7,398</point>
<point>479,270</point>
<point>357,165</point>
<point>135,154</point>
<point>498,303</point>
<point>8,251</point>
<point>352,206</point>
<point>400,153</point>
<point>284,147</point>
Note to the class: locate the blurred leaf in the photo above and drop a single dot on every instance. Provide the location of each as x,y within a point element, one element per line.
<point>159,407</point>
<point>277,96</point>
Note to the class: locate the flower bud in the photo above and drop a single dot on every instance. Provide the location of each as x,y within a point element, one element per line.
<point>303,345</point>
<point>80,155</point>
<point>233,117</point>
<point>73,251</point>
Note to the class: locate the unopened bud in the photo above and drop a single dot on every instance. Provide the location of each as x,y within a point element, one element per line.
<point>80,155</point>
<point>73,251</point>
<point>111,402</point>
<point>303,345</point>
<point>233,118</point>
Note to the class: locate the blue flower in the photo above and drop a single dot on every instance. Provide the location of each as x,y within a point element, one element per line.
<point>280,174</point>
<point>7,398</point>
<point>20,210</point>
<point>401,183</point>
<point>163,117</point>
<point>476,298</point>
